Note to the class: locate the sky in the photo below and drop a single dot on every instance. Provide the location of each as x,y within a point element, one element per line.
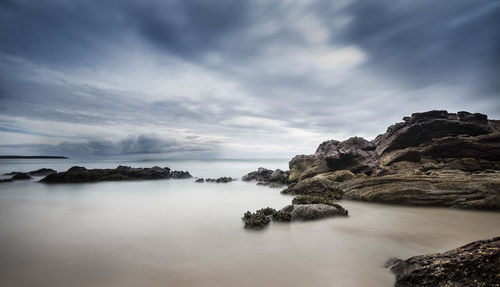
<point>235,79</point>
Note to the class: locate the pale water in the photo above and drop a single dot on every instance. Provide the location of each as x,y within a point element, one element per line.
<point>181,233</point>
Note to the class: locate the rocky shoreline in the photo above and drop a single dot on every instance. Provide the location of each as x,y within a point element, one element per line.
<point>474,264</point>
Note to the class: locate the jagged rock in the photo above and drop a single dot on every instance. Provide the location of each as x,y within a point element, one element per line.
<point>355,154</point>
<point>318,185</point>
<point>305,166</point>
<point>200,180</point>
<point>451,188</point>
<point>38,172</point>
<point>423,127</point>
<point>474,264</point>
<point>6,180</point>
<point>338,176</point>
<point>223,179</point>
<point>303,212</point>
<point>264,175</point>
<point>21,176</point>
<point>258,219</point>
<point>312,199</point>
<point>81,174</point>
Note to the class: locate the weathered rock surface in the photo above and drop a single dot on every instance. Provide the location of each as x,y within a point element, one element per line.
<point>304,212</point>
<point>319,185</point>
<point>81,174</point>
<point>433,158</point>
<point>267,176</point>
<point>305,166</point>
<point>449,188</point>
<point>38,172</point>
<point>474,264</point>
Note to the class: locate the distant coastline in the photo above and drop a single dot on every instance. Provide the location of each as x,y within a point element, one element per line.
<point>31,156</point>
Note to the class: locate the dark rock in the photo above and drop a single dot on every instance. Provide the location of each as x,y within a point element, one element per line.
<point>267,176</point>
<point>41,171</point>
<point>21,176</point>
<point>223,179</point>
<point>81,174</point>
<point>474,264</point>
<point>259,219</point>
<point>6,180</point>
<point>310,199</point>
<point>355,154</point>
<point>303,212</point>
<point>200,180</point>
<point>424,127</point>
<point>318,185</point>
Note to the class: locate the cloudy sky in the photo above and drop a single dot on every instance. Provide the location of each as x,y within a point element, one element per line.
<point>227,78</point>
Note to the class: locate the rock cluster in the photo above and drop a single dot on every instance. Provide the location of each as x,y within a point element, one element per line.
<point>81,174</point>
<point>474,264</point>
<point>303,208</point>
<point>17,175</point>
<point>433,158</point>
<point>269,177</point>
<point>223,179</point>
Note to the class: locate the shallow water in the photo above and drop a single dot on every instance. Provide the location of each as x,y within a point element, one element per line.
<point>181,233</point>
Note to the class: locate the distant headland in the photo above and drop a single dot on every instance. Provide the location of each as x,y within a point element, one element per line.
<point>31,156</point>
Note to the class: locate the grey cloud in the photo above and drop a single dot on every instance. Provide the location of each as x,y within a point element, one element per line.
<point>427,42</point>
<point>131,145</point>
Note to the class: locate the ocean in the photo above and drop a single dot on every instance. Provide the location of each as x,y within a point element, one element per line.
<point>182,233</point>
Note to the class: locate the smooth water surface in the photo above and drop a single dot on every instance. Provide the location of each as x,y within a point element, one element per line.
<point>181,233</point>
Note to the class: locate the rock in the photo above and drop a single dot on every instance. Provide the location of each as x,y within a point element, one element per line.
<point>450,188</point>
<point>318,185</point>
<point>338,176</point>
<point>474,264</point>
<point>21,176</point>
<point>223,179</point>
<point>258,219</point>
<point>355,154</point>
<point>423,127</point>
<point>311,199</point>
<point>81,174</point>
<point>6,180</point>
<point>267,176</point>
<point>199,180</point>
<point>305,166</point>
<point>41,171</point>
<point>303,212</point>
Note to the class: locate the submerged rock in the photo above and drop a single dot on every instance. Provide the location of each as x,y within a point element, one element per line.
<point>38,172</point>
<point>258,219</point>
<point>223,179</point>
<point>200,180</point>
<point>266,176</point>
<point>81,174</point>
<point>21,176</point>
<point>474,264</point>
<point>304,212</point>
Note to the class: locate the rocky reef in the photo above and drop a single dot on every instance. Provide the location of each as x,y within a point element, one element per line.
<point>433,158</point>
<point>223,179</point>
<point>474,264</point>
<point>303,208</point>
<point>81,174</point>
<point>17,175</point>
<point>264,176</point>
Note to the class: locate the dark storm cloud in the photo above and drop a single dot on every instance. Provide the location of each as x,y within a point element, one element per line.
<point>429,41</point>
<point>131,145</point>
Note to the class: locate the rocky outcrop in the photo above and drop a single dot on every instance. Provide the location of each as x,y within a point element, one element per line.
<point>81,174</point>
<point>223,179</point>
<point>305,166</point>
<point>451,188</point>
<point>474,264</point>
<point>305,212</point>
<point>38,172</point>
<point>21,176</point>
<point>266,176</point>
<point>433,158</point>
<point>424,127</point>
<point>304,209</point>
<point>319,185</point>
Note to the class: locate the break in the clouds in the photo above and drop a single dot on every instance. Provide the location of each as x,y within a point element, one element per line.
<point>232,78</point>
